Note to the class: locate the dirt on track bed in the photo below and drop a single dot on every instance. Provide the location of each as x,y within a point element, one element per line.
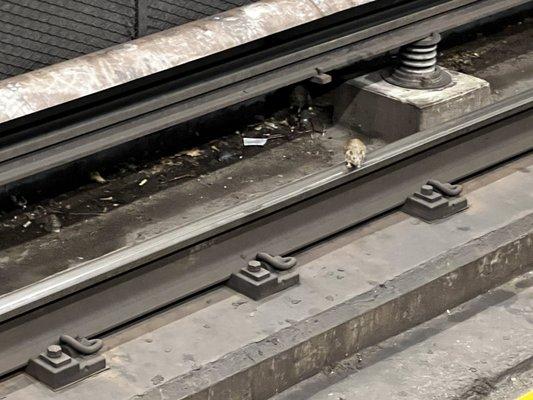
<point>114,186</point>
<point>481,50</point>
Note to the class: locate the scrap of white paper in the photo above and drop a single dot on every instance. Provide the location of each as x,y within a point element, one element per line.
<point>254,141</point>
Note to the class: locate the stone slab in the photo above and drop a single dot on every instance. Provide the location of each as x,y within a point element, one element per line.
<point>467,353</point>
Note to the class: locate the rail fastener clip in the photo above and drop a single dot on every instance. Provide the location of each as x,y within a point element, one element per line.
<point>70,362</point>
<point>435,200</point>
<point>264,276</point>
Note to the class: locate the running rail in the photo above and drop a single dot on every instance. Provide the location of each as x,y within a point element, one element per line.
<point>104,293</point>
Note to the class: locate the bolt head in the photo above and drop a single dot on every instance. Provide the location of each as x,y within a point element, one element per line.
<point>54,351</point>
<point>254,266</point>
<point>427,190</point>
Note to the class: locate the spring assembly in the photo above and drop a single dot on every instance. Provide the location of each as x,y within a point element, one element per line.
<point>418,58</point>
<point>418,67</point>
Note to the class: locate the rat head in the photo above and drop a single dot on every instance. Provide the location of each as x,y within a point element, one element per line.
<point>351,154</point>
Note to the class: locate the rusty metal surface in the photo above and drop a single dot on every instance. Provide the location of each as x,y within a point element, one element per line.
<point>86,75</point>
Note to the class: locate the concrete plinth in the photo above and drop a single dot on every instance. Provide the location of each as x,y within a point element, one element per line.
<point>373,107</point>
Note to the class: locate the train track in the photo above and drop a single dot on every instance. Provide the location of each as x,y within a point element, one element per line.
<point>107,292</point>
<point>104,293</point>
<point>57,136</point>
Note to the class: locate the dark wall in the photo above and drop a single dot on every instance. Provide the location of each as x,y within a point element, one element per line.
<point>36,33</point>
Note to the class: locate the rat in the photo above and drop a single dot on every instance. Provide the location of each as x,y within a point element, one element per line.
<point>355,153</point>
<point>300,99</point>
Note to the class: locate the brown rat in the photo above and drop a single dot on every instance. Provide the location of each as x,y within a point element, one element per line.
<point>355,153</point>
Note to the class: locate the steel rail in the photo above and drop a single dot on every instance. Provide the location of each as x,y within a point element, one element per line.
<point>67,144</point>
<point>112,290</point>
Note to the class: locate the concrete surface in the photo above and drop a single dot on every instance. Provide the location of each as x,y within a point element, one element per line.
<point>506,79</point>
<point>481,349</point>
<point>209,346</point>
<point>514,385</point>
<point>371,106</point>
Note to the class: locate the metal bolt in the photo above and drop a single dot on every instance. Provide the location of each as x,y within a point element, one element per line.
<point>254,266</point>
<point>54,351</point>
<point>427,190</point>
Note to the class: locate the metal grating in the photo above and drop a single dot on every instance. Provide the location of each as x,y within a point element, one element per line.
<point>163,14</point>
<point>37,33</point>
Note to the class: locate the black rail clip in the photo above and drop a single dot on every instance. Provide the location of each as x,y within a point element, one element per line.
<point>265,276</point>
<point>72,360</point>
<point>435,200</point>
